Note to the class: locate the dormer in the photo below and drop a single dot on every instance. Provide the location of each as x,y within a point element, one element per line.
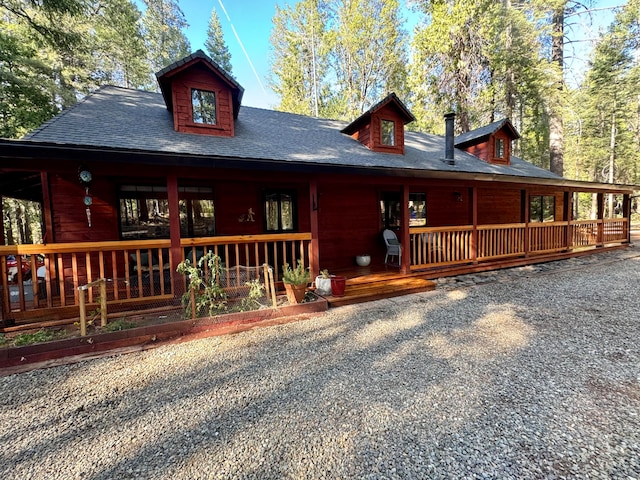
<point>381,128</point>
<point>202,97</point>
<point>491,143</point>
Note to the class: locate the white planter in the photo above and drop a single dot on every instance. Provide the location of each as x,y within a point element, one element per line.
<point>363,260</point>
<point>323,285</point>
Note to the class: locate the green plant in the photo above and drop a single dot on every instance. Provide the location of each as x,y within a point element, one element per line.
<point>296,276</point>
<point>252,301</point>
<point>3,339</point>
<point>30,338</point>
<point>325,273</point>
<point>120,324</point>
<point>203,285</point>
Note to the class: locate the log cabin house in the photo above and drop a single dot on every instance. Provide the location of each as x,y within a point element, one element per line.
<point>131,182</point>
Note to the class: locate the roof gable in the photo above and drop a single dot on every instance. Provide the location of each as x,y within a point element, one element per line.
<point>479,134</point>
<point>491,143</point>
<point>381,128</point>
<point>199,58</point>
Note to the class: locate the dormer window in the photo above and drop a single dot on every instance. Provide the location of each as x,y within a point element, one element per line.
<point>203,106</point>
<point>388,133</point>
<point>499,148</point>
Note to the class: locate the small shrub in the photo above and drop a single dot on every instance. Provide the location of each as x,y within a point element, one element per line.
<point>40,336</point>
<point>252,301</point>
<point>296,276</point>
<point>120,324</point>
<point>209,296</point>
<point>3,339</point>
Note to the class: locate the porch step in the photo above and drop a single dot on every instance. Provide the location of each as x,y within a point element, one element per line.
<point>359,291</point>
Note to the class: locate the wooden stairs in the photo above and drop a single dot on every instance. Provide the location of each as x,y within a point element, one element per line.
<point>371,287</point>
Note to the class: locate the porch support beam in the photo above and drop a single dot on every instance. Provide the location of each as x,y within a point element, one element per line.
<point>626,213</point>
<point>567,216</point>
<point>174,229</point>
<point>600,200</point>
<point>47,213</point>
<point>314,251</point>
<point>473,195</point>
<point>405,268</point>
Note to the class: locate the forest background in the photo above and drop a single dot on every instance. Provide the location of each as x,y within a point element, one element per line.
<point>482,59</point>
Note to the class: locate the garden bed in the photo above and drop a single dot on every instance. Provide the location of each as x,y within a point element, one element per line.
<point>150,331</point>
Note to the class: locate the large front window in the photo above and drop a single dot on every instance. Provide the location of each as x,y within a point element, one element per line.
<point>144,212</point>
<point>203,106</point>
<point>280,211</point>
<point>542,208</point>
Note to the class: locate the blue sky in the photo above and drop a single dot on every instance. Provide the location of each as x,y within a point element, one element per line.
<point>252,22</point>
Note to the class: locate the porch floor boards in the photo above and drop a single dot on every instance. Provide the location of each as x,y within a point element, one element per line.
<point>365,285</point>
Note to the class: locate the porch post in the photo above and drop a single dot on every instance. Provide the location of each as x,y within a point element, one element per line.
<point>1,222</point>
<point>567,213</point>
<point>47,235</point>
<point>473,194</point>
<point>600,199</point>
<point>406,237</point>
<point>626,213</point>
<point>174,230</point>
<point>526,212</point>
<point>314,252</point>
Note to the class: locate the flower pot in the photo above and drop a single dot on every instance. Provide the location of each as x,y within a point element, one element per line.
<point>338,284</point>
<point>363,260</point>
<point>323,285</point>
<point>295,293</point>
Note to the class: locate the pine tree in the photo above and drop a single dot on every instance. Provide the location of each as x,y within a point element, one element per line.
<point>299,61</point>
<point>163,24</point>
<point>215,44</point>
<point>369,53</point>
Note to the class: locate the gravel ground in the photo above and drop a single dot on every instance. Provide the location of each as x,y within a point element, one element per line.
<point>526,376</point>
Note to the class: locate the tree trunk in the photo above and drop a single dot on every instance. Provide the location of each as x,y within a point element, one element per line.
<point>612,157</point>
<point>556,127</point>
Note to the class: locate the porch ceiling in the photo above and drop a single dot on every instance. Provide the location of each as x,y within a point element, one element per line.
<point>21,185</point>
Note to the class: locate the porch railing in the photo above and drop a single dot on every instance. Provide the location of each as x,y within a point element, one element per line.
<point>48,276</point>
<point>443,246</point>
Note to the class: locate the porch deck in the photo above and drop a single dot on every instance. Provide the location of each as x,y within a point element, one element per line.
<point>365,284</point>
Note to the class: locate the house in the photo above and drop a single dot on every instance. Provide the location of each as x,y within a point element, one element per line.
<point>131,182</point>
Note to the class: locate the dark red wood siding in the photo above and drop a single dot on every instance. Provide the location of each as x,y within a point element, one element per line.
<point>69,211</point>
<point>349,224</point>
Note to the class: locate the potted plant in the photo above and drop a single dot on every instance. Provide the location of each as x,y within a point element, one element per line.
<point>323,282</point>
<point>295,281</point>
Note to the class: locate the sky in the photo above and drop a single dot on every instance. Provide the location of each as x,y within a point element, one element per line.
<point>252,21</point>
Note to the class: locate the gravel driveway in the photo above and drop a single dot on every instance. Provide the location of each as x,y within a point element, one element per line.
<point>532,377</point>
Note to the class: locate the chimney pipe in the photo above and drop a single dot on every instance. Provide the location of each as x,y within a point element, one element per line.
<point>449,119</point>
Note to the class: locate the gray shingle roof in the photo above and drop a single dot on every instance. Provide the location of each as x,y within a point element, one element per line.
<point>484,132</point>
<point>119,118</point>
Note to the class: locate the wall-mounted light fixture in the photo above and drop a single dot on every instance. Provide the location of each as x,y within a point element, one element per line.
<point>457,196</point>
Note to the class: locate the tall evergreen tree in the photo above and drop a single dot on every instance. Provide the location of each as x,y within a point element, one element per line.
<point>450,68</point>
<point>610,107</point>
<point>163,24</point>
<point>369,53</point>
<point>119,51</point>
<point>215,44</point>
<point>299,58</point>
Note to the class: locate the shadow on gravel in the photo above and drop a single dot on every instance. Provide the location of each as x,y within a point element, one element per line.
<point>394,387</point>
